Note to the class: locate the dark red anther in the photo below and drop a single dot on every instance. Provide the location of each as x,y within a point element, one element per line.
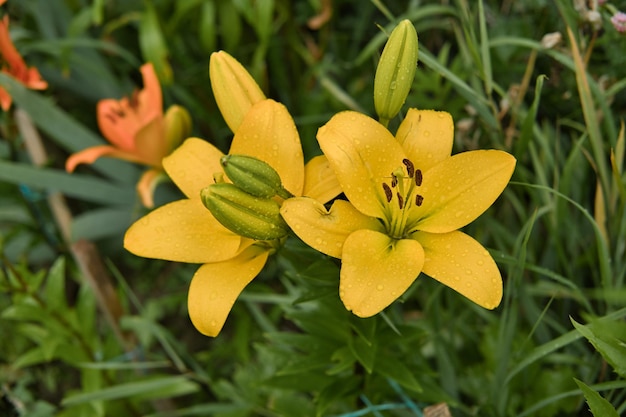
<point>400,201</point>
<point>418,177</point>
<point>388,193</point>
<point>419,200</point>
<point>410,168</point>
<point>394,180</point>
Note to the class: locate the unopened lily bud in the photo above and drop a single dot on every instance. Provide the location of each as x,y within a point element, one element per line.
<point>177,122</point>
<point>234,88</point>
<point>395,71</point>
<point>244,214</point>
<point>254,176</point>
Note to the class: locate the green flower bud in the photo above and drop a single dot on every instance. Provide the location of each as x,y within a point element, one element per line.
<point>254,176</point>
<point>395,71</point>
<point>249,216</point>
<point>234,88</point>
<point>177,122</point>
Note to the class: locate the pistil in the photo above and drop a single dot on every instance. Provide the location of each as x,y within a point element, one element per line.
<point>397,215</point>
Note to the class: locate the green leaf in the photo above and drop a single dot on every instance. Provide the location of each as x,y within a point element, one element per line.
<point>73,185</point>
<point>526,134</point>
<point>161,387</point>
<point>391,367</point>
<point>65,131</point>
<point>101,223</point>
<point>55,286</point>
<point>599,406</point>
<point>339,389</point>
<point>608,338</point>
<point>153,45</point>
<point>208,26</point>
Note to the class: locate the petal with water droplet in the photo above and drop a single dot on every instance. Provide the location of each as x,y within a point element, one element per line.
<point>215,287</point>
<point>477,277</point>
<point>376,269</point>
<point>182,231</point>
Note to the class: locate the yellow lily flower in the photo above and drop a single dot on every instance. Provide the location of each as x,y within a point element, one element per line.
<point>186,231</point>
<point>408,198</point>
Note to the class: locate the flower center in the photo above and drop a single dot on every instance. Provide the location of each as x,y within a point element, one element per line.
<point>403,188</point>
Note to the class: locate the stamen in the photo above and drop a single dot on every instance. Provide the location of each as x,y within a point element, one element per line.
<point>410,168</point>
<point>134,99</point>
<point>111,117</point>
<point>388,193</point>
<point>394,180</point>
<point>400,201</point>
<point>118,112</point>
<point>418,177</point>
<point>419,200</point>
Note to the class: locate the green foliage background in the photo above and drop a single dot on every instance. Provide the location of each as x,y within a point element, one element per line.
<point>117,341</point>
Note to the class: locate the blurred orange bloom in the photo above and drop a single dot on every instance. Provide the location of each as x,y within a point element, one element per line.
<point>138,132</point>
<point>14,65</point>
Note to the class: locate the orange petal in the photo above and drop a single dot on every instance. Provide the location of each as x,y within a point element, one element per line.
<point>9,53</point>
<point>150,97</point>
<point>459,189</point>
<point>182,231</point>
<point>376,270</point>
<point>117,123</point>
<point>89,156</point>
<point>120,120</point>
<point>215,287</point>
<point>320,181</point>
<point>363,155</point>
<point>269,134</point>
<point>147,184</point>
<point>150,142</point>
<point>325,230</point>
<point>192,166</point>
<point>5,99</point>
<point>426,136</point>
<point>461,263</point>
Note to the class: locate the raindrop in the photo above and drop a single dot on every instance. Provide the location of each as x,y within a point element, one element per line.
<point>380,287</point>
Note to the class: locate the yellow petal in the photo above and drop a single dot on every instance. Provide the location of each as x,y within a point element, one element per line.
<point>192,166</point>
<point>363,154</point>
<point>426,136</point>
<point>234,89</point>
<point>182,231</point>
<point>147,184</point>
<point>376,270</point>
<point>458,261</point>
<point>459,189</point>
<point>325,230</point>
<point>269,134</point>
<point>320,181</point>
<point>215,287</point>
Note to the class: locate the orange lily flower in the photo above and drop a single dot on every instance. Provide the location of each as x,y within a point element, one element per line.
<point>14,65</point>
<point>138,132</point>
